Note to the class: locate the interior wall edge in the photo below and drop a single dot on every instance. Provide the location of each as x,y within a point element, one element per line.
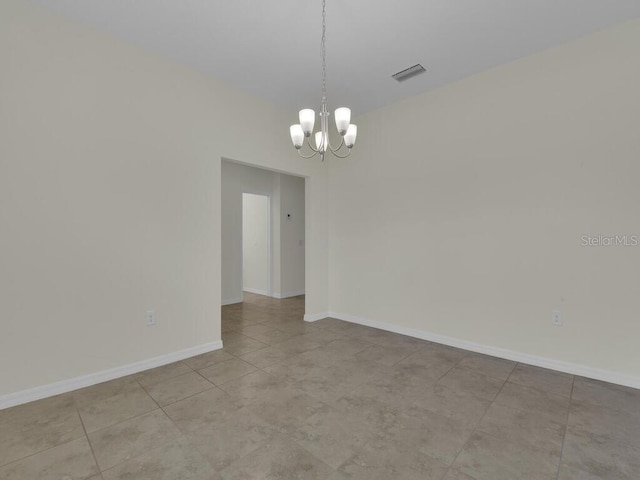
<point>257,291</point>
<point>314,317</point>
<point>231,301</point>
<point>288,294</point>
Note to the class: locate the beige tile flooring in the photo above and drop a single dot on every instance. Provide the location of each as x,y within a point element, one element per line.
<point>328,400</point>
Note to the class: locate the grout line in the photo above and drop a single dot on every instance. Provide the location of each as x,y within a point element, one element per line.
<point>187,397</point>
<point>241,376</point>
<point>198,373</point>
<point>566,427</point>
<point>93,453</point>
<point>149,395</point>
<point>48,448</point>
<point>477,425</point>
<point>139,374</point>
<point>159,408</point>
<point>403,358</point>
<point>171,378</point>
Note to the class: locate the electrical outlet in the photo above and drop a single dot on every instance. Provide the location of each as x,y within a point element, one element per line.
<point>556,318</point>
<point>150,317</point>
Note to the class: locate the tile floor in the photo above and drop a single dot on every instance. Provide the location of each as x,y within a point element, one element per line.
<point>328,400</point>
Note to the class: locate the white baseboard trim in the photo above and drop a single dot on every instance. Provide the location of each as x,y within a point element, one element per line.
<point>314,317</point>
<point>290,294</point>
<point>231,301</point>
<point>558,365</point>
<point>64,386</point>
<point>256,291</point>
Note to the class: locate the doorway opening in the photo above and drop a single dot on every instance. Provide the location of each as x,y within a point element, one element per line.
<point>263,257</point>
<point>256,244</point>
<point>263,233</point>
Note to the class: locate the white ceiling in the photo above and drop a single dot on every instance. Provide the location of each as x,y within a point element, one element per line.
<point>271,48</point>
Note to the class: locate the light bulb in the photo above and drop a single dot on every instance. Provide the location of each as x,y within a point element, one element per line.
<point>350,136</point>
<point>307,119</point>
<point>297,135</point>
<point>343,117</point>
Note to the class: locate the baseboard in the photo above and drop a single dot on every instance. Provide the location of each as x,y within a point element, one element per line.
<point>231,301</point>
<point>288,295</point>
<point>64,386</point>
<point>314,317</point>
<point>558,365</point>
<point>256,291</point>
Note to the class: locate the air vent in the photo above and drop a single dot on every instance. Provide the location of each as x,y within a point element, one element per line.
<point>409,73</point>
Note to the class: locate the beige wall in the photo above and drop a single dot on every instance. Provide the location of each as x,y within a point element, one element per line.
<point>110,199</point>
<point>461,211</point>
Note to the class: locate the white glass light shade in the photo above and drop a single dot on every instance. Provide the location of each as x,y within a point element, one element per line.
<point>297,135</point>
<point>343,117</point>
<point>307,119</point>
<point>350,136</point>
<point>320,143</point>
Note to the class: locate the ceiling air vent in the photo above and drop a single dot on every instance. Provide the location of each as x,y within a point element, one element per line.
<point>408,73</point>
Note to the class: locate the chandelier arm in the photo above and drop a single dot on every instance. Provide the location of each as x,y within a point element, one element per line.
<point>335,153</point>
<point>334,150</point>
<point>315,152</point>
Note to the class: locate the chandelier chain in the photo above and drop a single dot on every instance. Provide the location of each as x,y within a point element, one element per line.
<point>323,47</point>
<point>304,129</point>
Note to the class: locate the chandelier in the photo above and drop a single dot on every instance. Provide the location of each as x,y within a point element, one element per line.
<point>307,116</point>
